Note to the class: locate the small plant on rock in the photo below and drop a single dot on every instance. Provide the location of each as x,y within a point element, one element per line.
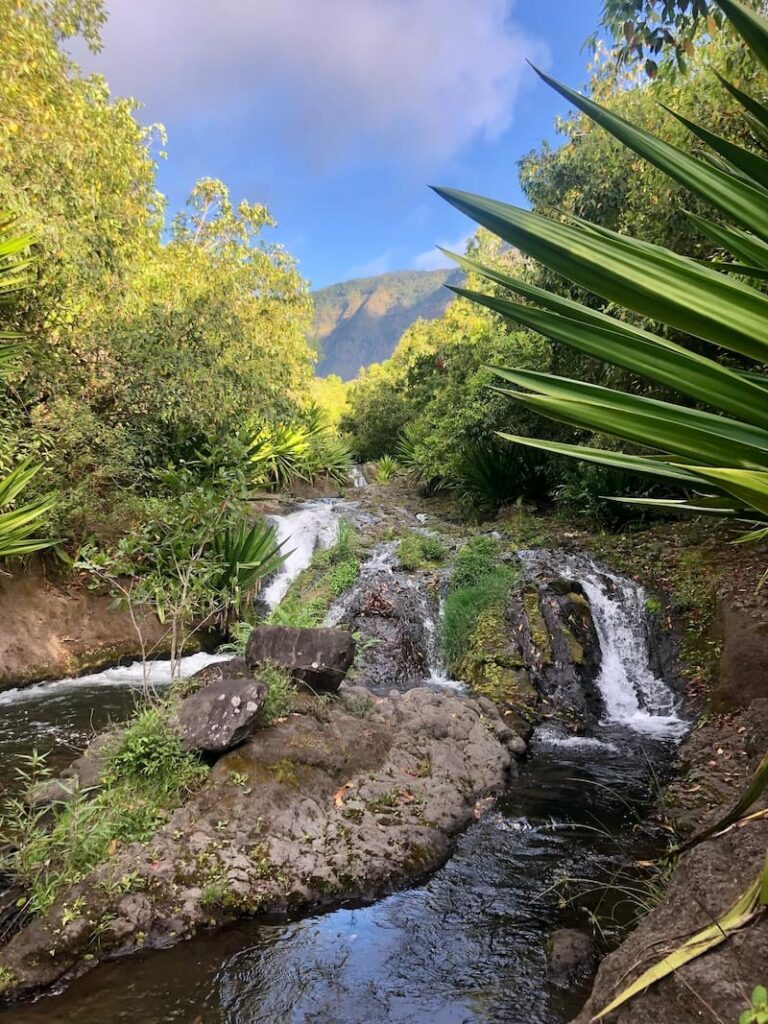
<point>757,1013</point>
<point>281,694</point>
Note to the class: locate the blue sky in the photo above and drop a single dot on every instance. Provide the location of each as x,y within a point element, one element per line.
<point>338,113</point>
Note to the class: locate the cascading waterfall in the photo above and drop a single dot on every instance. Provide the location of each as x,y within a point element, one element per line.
<point>357,476</point>
<point>633,695</point>
<point>314,524</point>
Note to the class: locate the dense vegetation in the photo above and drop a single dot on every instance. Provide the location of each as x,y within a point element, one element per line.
<point>161,369</point>
<point>432,404</point>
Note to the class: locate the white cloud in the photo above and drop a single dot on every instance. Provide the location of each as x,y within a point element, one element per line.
<point>433,259</point>
<point>381,264</point>
<point>413,79</point>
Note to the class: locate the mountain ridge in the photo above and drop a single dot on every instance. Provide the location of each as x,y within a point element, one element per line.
<point>359,322</point>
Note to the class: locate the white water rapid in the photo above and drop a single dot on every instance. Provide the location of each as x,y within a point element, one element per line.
<point>314,524</point>
<point>633,695</point>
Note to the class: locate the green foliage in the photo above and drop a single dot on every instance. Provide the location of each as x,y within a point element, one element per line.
<point>421,551</point>
<point>304,449</point>
<point>150,752</point>
<point>17,523</point>
<point>476,560</point>
<point>664,31</point>
<point>245,556</point>
<point>150,345</point>
<point>281,694</point>
<point>723,460</point>
<point>758,1010</point>
<point>146,776</point>
<point>386,469</point>
<point>465,605</point>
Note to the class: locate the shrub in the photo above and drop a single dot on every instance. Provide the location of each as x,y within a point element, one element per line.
<point>281,694</point>
<point>420,551</point>
<point>146,776</point>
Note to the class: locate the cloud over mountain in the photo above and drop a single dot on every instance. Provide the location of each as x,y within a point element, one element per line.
<point>415,80</point>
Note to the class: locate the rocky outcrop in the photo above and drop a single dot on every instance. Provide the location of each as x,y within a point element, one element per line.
<point>344,800</point>
<point>571,955</point>
<point>560,644</point>
<point>318,657</point>
<point>389,611</point>
<point>221,715</point>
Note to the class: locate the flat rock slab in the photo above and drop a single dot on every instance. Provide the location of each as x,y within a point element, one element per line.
<point>320,658</point>
<point>347,800</point>
<point>221,715</point>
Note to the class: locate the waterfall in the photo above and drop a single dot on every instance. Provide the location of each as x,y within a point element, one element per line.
<point>633,695</point>
<point>357,477</point>
<point>314,524</point>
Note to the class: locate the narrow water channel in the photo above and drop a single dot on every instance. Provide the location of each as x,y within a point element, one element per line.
<point>467,946</point>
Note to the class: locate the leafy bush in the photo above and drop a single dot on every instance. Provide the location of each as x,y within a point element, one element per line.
<point>386,469</point>
<point>281,694</point>
<point>146,776</point>
<point>150,752</point>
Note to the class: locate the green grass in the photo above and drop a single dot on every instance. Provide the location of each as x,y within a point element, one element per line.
<point>146,776</point>
<point>465,606</point>
<point>421,551</point>
<point>332,572</point>
<point>477,559</point>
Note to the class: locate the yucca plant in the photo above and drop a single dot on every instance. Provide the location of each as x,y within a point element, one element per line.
<point>717,448</point>
<point>387,469</point>
<point>246,556</point>
<point>17,523</point>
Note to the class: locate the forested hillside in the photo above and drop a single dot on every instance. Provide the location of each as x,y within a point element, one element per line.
<point>359,322</point>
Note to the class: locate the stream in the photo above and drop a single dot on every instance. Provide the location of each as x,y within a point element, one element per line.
<point>467,945</point>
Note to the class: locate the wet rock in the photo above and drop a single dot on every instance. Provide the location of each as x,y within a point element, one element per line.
<point>571,955</point>
<point>307,812</point>
<point>221,715</point>
<point>389,611</point>
<point>561,644</point>
<point>234,668</point>
<point>319,657</point>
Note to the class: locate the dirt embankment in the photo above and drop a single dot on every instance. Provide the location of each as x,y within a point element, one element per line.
<point>52,625</point>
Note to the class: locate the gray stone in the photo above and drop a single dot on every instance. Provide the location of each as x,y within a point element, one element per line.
<point>221,715</point>
<point>571,955</point>
<point>318,657</point>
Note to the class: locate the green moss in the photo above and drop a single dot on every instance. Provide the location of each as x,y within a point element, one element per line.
<point>284,772</point>
<point>7,979</point>
<point>537,626</point>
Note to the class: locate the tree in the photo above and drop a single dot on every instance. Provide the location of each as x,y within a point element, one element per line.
<point>661,31</point>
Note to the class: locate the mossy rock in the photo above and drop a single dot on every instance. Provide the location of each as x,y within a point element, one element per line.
<point>537,626</point>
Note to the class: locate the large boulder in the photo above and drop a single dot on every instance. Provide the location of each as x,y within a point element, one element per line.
<point>390,611</point>
<point>318,657</point>
<point>221,715</point>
